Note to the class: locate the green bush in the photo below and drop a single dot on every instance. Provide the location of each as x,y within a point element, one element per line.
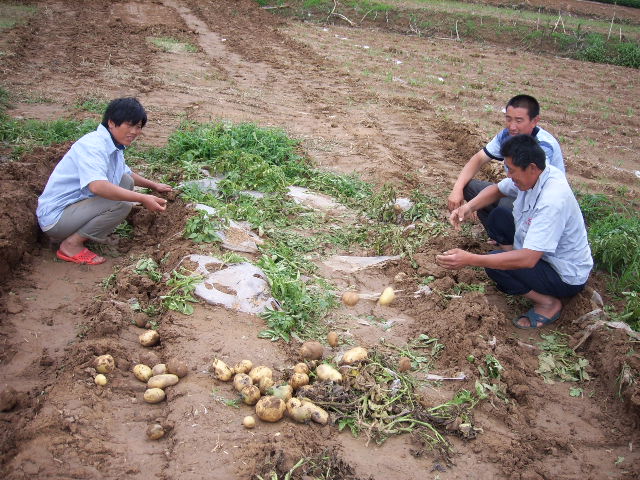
<point>622,3</point>
<point>628,55</point>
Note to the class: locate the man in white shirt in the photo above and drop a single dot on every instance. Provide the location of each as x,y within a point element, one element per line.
<point>522,115</point>
<point>90,191</point>
<point>548,255</point>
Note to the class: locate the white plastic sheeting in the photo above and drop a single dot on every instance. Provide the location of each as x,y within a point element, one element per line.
<point>239,286</point>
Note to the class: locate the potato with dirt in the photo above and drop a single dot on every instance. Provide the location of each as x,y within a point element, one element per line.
<point>243,366</point>
<point>354,355</point>
<point>177,367</point>
<point>327,373</point>
<point>241,380</point>
<point>142,372</point>
<point>220,370</point>
<point>258,373</point>
<point>298,380</point>
<point>154,395</point>
<point>312,350</point>
<point>163,381</point>
<point>104,364</point>
<point>270,408</point>
<point>250,394</point>
<point>150,338</point>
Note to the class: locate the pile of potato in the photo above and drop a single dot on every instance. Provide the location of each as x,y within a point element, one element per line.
<point>159,378</point>
<point>257,387</point>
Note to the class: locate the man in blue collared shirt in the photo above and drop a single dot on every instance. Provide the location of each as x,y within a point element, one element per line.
<point>547,257</point>
<point>90,191</point>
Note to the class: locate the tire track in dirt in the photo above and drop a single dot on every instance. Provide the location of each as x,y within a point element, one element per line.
<point>280,75</point>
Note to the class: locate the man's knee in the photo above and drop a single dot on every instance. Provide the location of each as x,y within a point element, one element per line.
<point>127,182</point>
<point>473,188</point>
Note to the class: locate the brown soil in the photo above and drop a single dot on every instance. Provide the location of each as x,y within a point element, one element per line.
<point>395,109</point>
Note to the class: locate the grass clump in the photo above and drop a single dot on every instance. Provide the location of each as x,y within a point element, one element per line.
<point>614,236</point>
<point>172,45</point>
<point>25,135</point>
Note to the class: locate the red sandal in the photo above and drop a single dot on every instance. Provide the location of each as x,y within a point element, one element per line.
<point>85,257</point>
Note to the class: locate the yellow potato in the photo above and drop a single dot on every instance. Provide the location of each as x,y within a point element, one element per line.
<point>244,366</point>
<point>241,380</point>
<point>298,380</point>
<point>154,395</point>
<point>318,414</point>
<point>301,368</point>
<point>163,381</point>
<point>270,408</point>
<point>333,339</point>
<point>356,354</point>
<point>142,372</point>
<point>297,411</point>
<point>105,364</point>
<point>265,385</point>
<point>259,372</point>
<point>250,394</point>
<point>149,338</point>
<point>101,380</point>
<point>249,421</point>
<point>387,296</point>
<point>221,371</point>
<point>327,372</point>
<point>159,369</point>
<point>155,431</point>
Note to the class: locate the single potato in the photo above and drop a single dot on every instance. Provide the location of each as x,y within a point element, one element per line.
<point>163,381</point>
<point>149,338</point>
<point>105,364</point>
<point>311,350</point>
<point>142,372</point>
<point>154,395</point>
<point>270,408</point>
<point>221,371</point>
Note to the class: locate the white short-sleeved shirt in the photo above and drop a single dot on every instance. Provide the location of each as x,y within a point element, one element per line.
<point>547,141</point>
<point>548,219</point>
<point>93,157</point>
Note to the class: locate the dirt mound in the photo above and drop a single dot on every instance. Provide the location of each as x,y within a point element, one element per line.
<point>21,182</point>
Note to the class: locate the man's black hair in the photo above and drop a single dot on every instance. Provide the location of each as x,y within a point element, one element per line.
<point>524,150</point>
<point>127,109</point>
<point>525,101</point>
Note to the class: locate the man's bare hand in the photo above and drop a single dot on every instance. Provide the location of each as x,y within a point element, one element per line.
<point>459,215</point>
<point>454,201</point>
<point>453,259</point>
<point>154,204</point>
<point>162,188</point>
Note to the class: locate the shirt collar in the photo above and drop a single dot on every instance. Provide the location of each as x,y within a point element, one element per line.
<point>115,143</point>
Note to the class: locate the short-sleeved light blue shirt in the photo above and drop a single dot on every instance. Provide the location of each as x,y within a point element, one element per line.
<point>547,141</point>
<point>93,157</point>
<point>548,219</point>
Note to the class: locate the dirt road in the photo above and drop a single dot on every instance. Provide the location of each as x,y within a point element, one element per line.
<point>396,109</point>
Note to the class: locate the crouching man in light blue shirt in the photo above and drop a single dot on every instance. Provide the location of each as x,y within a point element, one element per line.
<point>547,256</point>
<point>90,191</point>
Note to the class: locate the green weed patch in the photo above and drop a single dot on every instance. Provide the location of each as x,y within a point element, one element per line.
<point>614,236</point>
<point>580,38</point>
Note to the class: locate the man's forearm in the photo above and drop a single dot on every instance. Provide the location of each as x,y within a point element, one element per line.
<point>486,197</point>
<point>512,260</point>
